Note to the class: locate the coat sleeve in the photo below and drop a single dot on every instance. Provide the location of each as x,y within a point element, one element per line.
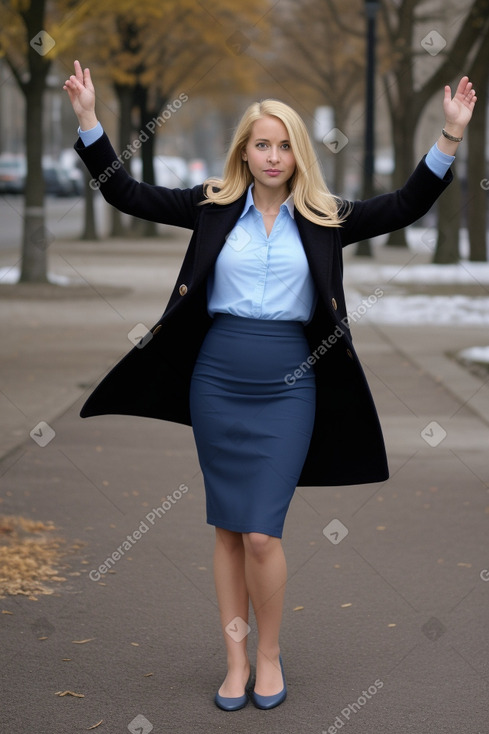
<point>178,207</point>
<point>388,212</point>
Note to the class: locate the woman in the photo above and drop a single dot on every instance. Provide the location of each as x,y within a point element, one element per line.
<point>254,350</point>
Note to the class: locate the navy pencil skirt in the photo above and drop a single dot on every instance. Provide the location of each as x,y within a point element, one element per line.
<point>252,429</point>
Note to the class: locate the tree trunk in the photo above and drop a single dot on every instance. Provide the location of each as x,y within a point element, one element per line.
<point>142,227</point>
<point>148,229</point>
<point>449,217</point>
<point>125,97</point>
<point>89,227</point>
<point>402,130</point>
<point>36,238</point>
<point>477,179</point>
<point>340,158</point>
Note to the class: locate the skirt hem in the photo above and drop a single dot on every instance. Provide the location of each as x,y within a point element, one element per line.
<point>236,528</point>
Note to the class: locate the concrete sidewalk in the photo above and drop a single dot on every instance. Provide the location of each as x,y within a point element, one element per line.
<point>384,629</point>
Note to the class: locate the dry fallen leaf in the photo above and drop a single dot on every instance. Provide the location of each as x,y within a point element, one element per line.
<point>5,611</point>
<point>343,606</point>
<point>70,693</point>
<point>464,565</point>
<point>43,638</point>
<point>95,725</point>
<point>66,660</point>
<point>146,675</point>
<point>29,556</point>
<point>82,642</point>
<point>297,609</point>
<point>136,644</point>
<point>392,625</point>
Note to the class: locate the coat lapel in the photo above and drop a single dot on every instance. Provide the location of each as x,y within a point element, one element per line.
<point>319,248</point>
<point>215,225</point>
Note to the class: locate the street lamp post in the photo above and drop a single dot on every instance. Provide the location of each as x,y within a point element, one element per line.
<point>371,7</point>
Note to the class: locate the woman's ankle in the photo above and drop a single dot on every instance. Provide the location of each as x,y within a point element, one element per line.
<point>270,653</point>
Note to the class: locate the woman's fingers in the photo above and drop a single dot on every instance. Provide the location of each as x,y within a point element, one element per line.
<point>78,71</point>
<point>87,80</point>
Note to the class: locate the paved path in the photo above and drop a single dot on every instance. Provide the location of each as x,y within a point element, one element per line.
<point>384,630</point>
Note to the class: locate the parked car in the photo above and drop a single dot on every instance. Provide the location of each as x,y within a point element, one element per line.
<point>72,165</point>
<point>61,176</point>
<point>56,179</point>
<point>170,171</point>
<point>13,172</point>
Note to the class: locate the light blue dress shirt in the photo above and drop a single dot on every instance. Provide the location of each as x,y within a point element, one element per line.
<point>267,277</point>
<point>259,276</point>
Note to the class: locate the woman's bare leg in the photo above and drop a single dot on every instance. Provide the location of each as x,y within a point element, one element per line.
<point>233,600</point>
<point>266,575</point>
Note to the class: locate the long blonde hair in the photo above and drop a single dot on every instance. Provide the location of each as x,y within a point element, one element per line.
<point>312,197</point>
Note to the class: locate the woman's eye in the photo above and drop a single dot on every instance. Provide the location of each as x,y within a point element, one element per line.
<point>261,145</point>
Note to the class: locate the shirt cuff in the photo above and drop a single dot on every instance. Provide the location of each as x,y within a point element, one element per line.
<point>439,162</point>
<point>90,136</point>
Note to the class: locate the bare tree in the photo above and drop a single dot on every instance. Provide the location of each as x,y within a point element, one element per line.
<point>406,99</point>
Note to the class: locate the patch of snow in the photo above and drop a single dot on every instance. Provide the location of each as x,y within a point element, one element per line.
<point>464,272</point>
<point>418,309</point>
<point>12,275</point>
<point>475,354</point>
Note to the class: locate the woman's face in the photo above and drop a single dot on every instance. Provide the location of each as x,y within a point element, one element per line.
<point>268,153</point>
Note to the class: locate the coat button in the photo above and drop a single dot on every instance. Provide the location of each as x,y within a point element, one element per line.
<point>183,289</point>
<point>156,329</point>
<point>348,351</point>
<point>334,304</point>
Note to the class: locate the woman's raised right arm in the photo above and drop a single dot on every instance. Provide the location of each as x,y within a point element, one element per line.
<point>155,203</point>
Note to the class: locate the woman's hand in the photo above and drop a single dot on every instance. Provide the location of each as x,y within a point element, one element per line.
<point>82,96</point>
<point>458,112</point>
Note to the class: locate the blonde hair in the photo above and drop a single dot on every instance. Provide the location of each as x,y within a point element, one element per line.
<point>312,197</point>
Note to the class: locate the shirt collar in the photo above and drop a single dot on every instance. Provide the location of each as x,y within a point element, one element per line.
<point>289,203</point>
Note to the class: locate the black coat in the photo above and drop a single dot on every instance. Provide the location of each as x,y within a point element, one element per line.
<point>153,380</point>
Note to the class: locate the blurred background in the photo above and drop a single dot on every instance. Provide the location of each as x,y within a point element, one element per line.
<point>173,77</point>
<point>404,598</point>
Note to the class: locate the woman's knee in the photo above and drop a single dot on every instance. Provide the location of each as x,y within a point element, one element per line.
<point>259,545</point>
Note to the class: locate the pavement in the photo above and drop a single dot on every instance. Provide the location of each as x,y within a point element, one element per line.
<point>385,618</point>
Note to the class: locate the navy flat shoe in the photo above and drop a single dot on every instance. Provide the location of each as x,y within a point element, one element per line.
<point>270,702</point>
<point>233,704</point>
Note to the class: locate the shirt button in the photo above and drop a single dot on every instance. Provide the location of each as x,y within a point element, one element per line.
<point>156,329</point>
<point>334,304</point>
<point>183,289</point>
